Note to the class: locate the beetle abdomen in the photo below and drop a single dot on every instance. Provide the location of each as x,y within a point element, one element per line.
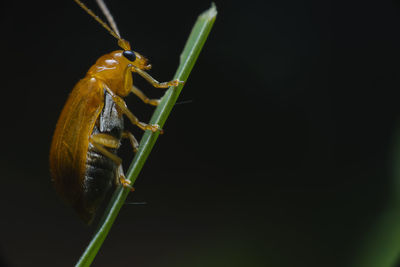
<point>100,171</point>
<point>98,179</point>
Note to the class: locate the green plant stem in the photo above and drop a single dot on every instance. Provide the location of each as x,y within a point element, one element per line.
<point>188,58</point>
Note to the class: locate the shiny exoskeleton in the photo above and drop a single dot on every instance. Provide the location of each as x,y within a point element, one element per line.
<point>101,171</point>
<point>83,160</point>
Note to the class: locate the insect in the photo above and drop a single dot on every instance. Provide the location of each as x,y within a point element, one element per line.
<point>83,160</point>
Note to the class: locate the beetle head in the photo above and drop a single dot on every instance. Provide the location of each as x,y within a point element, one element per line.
<point>136,59</point>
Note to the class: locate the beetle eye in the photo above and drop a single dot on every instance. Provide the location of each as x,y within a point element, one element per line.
<point>130,55</point>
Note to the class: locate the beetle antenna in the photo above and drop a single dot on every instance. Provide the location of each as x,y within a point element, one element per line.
<point>108,16</point>
<point>114,33</point>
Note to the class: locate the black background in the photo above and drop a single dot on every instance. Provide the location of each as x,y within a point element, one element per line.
<point>282,157</point>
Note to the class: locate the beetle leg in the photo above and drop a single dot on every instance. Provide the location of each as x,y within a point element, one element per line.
<point>153,81</point>
<point>134,120</point>
<point>121,179</point>
<point>144,98</point>
<point>132,139</point>
<point>100,141</point>
<point>131,88</point>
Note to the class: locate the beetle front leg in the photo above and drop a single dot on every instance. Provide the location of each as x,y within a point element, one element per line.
<point>128,87</point>
<point>153,81</point>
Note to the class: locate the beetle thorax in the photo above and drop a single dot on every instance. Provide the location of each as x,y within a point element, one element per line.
<point>111,69</point>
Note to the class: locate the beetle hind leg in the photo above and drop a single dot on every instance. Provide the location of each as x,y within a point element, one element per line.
<point>132,139</point>
<point>121,179</point>
<point>103,141</point>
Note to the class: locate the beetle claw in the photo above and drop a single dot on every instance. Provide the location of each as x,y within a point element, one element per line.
<point>126,183</point>
<point>156,128</point>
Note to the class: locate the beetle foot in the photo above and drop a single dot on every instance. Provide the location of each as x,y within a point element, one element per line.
<point>155,128</point>
<point>175,82</point>
<point>126,183</point>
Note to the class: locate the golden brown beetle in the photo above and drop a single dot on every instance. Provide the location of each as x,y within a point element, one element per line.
<point>83,160</point>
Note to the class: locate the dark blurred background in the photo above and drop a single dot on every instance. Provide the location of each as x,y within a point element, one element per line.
<point>285,155</point>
